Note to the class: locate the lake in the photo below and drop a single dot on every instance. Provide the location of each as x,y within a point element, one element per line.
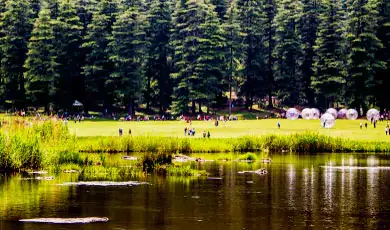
<point>341,191</point>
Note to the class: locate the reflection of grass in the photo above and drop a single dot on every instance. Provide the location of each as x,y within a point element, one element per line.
<point>248,157</point>
<point>110,173</point>
<point>184,170</point>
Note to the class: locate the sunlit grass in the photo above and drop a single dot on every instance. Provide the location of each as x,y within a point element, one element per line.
<point>343,128</point>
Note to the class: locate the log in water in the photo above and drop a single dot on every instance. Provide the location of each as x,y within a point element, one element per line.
<point>84,220</point>
<point>102,183</point>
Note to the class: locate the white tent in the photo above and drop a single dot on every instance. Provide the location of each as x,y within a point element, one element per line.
<point>76,103</point>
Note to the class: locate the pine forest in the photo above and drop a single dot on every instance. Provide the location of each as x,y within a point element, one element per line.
<point>180,56</point>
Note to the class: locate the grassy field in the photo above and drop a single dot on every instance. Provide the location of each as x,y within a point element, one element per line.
<point>343,128</point>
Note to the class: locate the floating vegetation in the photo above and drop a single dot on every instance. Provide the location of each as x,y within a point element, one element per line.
<point>103,183</point>
<point>84,220</point>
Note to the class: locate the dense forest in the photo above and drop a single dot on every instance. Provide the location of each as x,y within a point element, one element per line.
<point>180,55</point>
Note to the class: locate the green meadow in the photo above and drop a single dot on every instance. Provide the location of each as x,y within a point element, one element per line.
<point>343,128</point>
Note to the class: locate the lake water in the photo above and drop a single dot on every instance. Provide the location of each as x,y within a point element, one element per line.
<point>298,192</point>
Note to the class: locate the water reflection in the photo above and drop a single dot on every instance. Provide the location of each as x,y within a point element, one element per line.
<point>336,191</point>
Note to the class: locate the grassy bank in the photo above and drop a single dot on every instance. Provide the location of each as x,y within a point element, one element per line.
<point>49,144</point>
<point>306,142</point>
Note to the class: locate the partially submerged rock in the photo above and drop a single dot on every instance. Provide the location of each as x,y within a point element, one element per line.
<point>261,171</point>
<point>71,171</point>
<point>129,158</point>
<point>84,220</point>
<point>38,172</point>
<point>102,183</point>
<point>182,158</point>
<point>214,178</point>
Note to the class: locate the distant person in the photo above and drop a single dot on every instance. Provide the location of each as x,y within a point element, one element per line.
<point>365,124</point>
<point>361,125</point>
<point>216,123</point>
<point>120,131</point>
<point>208,134</point>
<point>129,131</point>
<point>386,130</point>
<point>204,134</point>
<point>375,124</point>
<point>185,131</point>
<point>323,125</point>
<point>278,125</point>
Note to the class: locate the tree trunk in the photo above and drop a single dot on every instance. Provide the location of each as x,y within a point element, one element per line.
<point>193,108</point>
<point>130,106</point>
<point>200,107</point>
<point>270,104</point>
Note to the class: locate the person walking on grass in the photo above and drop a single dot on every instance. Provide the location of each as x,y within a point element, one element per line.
<point>208,134</point>
<point>278,125</point>
<point>361,125</point>
<point>204,134</point>
<point>387,130</point>
<point>185,131</point>
<point>365,124</point>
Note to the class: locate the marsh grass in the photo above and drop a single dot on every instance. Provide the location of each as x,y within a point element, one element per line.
<point>306,143</point>
<point>35,145</point>
<point>184,170</point>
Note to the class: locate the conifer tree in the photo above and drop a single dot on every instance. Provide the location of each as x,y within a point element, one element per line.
<point>269,43</point>
<point>159,85</point>
<point>382,75</point>
<point>288,52</point>
<point>16,25</point>
<point>307,29</point>
<point>98,65</point>
<point>40,74</point>
<point>363,46</point>
<point>198,51</point>
<point>328,68</point>
<point>253,20</point>
<point>126,50</point>
<point>234,45</point>
<point>68,41</point>
<point>2,80</point>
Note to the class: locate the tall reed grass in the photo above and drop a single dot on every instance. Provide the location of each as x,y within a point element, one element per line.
<point>306,143</point>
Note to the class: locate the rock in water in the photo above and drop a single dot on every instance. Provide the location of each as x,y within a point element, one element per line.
<point>84,220</point>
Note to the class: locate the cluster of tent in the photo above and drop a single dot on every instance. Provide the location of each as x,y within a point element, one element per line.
<point>328,119</point>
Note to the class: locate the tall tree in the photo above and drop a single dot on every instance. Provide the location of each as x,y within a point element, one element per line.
<point>253,21</point>
<point>382,76</point>
<point>2,80</point>
<point>328,69</point>
<point>16,26</point>
<point>68,41</point>
<point>127,48</point>
<point>288,52</point>
<point>235,38</point>
<point>159,85</point>
<point>198,51</point>
<point>269,27</point>
<point>40,74</point>
<point>307,29</point>
<point>363,46</point>
<point>99,66</point>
